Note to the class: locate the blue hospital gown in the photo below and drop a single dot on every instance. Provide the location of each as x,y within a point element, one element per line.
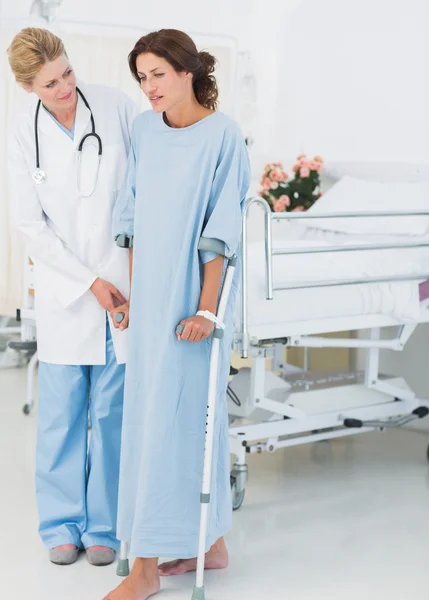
<point>181,184</point>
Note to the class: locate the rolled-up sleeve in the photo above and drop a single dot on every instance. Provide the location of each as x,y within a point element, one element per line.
<point>123,211</point>
<point>230,185</point>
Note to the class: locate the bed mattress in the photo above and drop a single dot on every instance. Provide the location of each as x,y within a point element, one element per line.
<point>399,301</point>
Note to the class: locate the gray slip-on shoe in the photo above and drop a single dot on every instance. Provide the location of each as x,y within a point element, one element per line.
<point>100,558</point>
<point>63,557</point>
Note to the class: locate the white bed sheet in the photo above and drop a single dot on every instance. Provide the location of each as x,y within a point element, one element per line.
<point>397,301</point>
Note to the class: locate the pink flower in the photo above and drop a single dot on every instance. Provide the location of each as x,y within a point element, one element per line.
<point>319,166</point>
<point>267,183</point>
<point>318,159</point>
<point>304,172</point>
<point>278,175</point>
<point>312,165</point>
<point>298,209</point>
<point>301,156</point>
<point>304,163</point>
<point>296,167</point>
<point>285,199</point>
<point>274,185</point>
<point>279,206</point>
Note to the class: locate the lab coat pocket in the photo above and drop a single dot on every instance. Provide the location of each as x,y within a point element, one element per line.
<point>112,168</point>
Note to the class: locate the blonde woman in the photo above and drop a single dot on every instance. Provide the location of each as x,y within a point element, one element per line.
<point>67,159</point>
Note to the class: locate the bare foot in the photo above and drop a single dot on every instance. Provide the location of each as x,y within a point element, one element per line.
<point>66,547</point>
<point>142,582</point>
<point>99,548</point>
<point>216,558</point>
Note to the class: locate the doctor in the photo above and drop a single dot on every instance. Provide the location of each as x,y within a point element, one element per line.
<point>64,187</point>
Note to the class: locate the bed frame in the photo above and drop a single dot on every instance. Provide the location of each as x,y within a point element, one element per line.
<point>294,406</point>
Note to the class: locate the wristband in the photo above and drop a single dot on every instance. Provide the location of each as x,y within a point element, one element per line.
<point>211,317</point>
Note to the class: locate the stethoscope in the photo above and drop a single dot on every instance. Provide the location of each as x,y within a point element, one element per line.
<point>39,176</point>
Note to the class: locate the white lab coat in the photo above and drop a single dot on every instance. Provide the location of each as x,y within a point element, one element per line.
<point>69,237</point>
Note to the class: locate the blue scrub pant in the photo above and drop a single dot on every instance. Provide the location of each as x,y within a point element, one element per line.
<point>77,485</point>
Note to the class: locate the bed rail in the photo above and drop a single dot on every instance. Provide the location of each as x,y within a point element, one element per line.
<point>269,216</point>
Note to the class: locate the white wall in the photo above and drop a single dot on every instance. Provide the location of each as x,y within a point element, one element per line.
<point>351,79</point>
<point>341,78</point>
<point>229,17</point>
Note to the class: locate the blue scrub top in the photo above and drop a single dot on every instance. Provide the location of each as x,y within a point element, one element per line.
<point>67,131</point>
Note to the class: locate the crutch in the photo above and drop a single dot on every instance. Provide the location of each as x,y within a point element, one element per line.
<point>219,248</point>
<point>123,568</point>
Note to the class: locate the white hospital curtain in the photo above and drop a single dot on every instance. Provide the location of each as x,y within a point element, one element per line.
<point>11,252</point>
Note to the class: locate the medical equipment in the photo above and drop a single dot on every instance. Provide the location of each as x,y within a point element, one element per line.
<point>217,335</point>
<point>21,351</point>
<point>39,176</point>
<point>27,344</point>
<point>45,8</point>
<point>272,410</point>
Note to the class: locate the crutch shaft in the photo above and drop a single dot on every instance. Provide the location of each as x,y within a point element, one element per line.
<point>208,444</point>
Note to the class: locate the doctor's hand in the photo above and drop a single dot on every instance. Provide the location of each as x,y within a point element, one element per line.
<point>196,329</point>
<point>107,295</point>
<point>125,310</point>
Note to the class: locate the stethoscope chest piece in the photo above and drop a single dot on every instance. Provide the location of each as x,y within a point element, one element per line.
<point>39,176</point>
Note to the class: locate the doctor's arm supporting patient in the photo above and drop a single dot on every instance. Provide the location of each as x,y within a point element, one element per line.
<point>187,177</point>
<point>64,186</point>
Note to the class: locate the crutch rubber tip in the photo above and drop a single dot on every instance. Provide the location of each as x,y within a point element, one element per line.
<point>198,593</point>
<point>123,568</point>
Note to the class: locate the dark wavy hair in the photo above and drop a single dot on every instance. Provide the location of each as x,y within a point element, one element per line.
<point>178,49</point>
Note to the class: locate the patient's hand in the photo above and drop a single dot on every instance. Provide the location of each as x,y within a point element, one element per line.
<point>196,329</point>
<point>125,310</point>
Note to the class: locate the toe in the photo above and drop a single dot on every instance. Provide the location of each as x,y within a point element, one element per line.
<point>167,565</point>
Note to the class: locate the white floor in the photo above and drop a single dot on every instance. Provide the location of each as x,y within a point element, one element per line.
<point>348,519</point>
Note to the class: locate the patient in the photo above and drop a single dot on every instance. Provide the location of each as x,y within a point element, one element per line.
<point>193,159</point>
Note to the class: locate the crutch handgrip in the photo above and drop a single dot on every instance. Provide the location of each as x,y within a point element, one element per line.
<point>216,333</point>
<point>119,317</point>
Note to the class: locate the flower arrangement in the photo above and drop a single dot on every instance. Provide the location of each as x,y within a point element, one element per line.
<point>297,194</point>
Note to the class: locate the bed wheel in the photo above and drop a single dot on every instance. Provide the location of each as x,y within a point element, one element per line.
<point>26,409</point>
<point>237,495</point>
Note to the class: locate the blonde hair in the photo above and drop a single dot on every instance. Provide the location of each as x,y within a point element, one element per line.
<point>30,49</point>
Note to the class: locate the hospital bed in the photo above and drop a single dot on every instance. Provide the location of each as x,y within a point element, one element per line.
<point>294,291</point>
